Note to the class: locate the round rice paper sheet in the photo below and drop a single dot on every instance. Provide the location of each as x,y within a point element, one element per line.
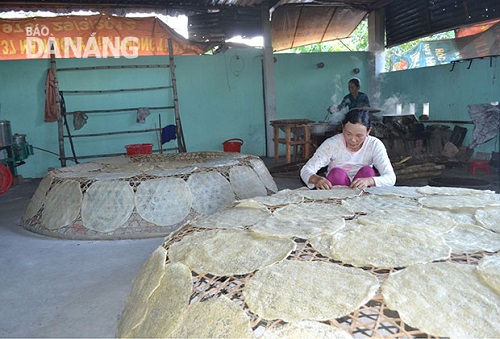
<point>229,252</point>
<point>164,202</point>
<point>488,218</point>
<point>336,192</point>
<point>461,217</point>
<point>132,167</point>
<point>107,205</point>
<point>399,191</point>
<point>246,183</point>
<point>145,283</point>
<point>167,304</point>
<point>62,205</point>
<point>260,168</point>
<point>371,203</point>
<point>280,198</point>
<point>421,218</point>
<point>224,162</point>
<point>235,156</point>
<point>211,192</point>
<point>114,161</point>
<point>84,167</point>
<point>305,329</point>
<point>382,246</point>
<point>38,198</point>
<point>432,190</point>
<point>214,318</point>
<point>109,176</point>
<point>172,171</point>
<point>175,164</point>
<point>488,271</point>
<point>460,203</point>
<point>73,175</point>
<point>468,238</point>
<point>304,220</point>
<point>445,300</point>
<point>245,213</point>
<point>312,290</point>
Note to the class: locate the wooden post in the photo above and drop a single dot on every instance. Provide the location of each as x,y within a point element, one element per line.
<point>60,133</point>
<point>276,142</point>
<point>180,134</point>
<point>288,130</point>
<point>307,139</point>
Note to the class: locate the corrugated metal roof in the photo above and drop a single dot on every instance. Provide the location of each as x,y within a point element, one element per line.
<point>294,22</point>
<point>296,26</point>
<point>412,19</point>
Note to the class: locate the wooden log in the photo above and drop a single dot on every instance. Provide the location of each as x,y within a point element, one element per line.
<point>399,165</point>
<point>417,175</point>
<point>419,168</point>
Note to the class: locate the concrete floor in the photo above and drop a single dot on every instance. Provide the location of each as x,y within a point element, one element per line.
<point>61,288</point>
<point>69,288</point>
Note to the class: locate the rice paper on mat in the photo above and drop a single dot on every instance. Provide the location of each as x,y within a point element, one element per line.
<point>319,290</point>
<point>228,252</point>
<point>444,299</point>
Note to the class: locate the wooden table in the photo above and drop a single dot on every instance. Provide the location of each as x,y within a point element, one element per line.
<point>297,134</point>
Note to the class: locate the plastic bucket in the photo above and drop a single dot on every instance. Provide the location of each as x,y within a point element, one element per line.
<point>6,179</point>
<point>232,145</point>
<point>133,149</point>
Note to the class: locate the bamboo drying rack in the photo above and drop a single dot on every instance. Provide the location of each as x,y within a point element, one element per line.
<point>62,122</point>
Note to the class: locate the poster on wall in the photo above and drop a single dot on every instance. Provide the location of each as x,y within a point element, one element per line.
<point>94,36</point>
<point>433,53</point>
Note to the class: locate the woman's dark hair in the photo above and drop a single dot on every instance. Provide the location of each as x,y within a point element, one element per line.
<point>356,82</point>
<point>357,116</point>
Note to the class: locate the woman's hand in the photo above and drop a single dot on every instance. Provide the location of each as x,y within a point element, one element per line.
<point>362,183</point>
<point>320,183</point>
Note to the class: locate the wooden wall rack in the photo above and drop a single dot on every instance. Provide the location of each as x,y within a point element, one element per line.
<point>62,122</point>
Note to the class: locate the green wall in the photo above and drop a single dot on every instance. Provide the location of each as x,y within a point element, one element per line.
<point>220,97</point>
<point>447,92</point>
<point>305,91</point>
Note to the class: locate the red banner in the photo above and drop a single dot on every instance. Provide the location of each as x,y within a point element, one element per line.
<point>474,29</point>
<point>96,36</point>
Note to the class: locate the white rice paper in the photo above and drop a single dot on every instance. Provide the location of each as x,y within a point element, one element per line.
<point>243,251</point>
<point>304,220</point>
<point>245,213</point>
<point>468,238</point>
<point>107,205</point>
<point>445,300</point>
<point>38,198</point>
<point>246,183</point>
<point>382,245</point>
<point>164,202</point>
<point>319,290</point>
<point>260,168</point>
<point>62,205</point>
<point>211,192</point>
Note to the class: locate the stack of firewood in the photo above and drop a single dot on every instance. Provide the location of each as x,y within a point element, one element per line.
<point>424,170</point>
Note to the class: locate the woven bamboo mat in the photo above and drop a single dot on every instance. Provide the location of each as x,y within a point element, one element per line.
<point>374,319</point>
